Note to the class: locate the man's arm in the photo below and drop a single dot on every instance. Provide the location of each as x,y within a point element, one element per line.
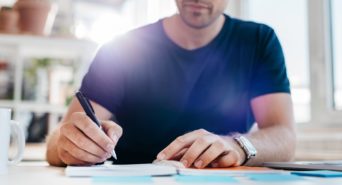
<point>77,140</point>
<point>274,140</point>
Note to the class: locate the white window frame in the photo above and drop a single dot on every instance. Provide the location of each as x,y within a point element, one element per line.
<point>323,113</point>
<point>321,63</point>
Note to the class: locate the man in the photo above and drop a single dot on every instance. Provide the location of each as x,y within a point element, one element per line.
<point>187,88</point>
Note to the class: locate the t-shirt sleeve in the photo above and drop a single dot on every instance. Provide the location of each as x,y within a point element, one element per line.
<point>269,74</point>
<point>104,81</point>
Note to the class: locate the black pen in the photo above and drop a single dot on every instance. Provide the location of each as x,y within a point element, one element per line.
<point>90,112</point>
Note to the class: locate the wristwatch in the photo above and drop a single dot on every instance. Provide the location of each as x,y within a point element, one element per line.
<point>246,146</point>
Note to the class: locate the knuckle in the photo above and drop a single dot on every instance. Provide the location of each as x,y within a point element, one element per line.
<point>82,143</point>
<point>113,127</point>
<point>219,145</point>
<point>170,149</point>
<point>215,137</point>
<point>190,156</point>
<point>64,128</point>
<point>202,141</point>
<point>75,115</point>
<point>61,142</point>
<point>210,153</point>
<point>87,127</point>
<point>179,140</point>
<point>80,117</point>
<point>83,117</point>
<point>104,142</point>
<point>117,128</point>
<point>202,131</point>
<point>120,130</point>
<point>77,137</point>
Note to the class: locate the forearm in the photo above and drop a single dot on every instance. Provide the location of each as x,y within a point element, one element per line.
<point>51,153</point>
<point>275,143</point>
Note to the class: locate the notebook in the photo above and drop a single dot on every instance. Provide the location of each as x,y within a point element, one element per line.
<point>160,168</point>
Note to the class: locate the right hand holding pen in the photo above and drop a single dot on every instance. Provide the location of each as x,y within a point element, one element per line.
<point>81,142</point>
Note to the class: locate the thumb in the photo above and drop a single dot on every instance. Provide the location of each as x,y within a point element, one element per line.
<point>113,130</point>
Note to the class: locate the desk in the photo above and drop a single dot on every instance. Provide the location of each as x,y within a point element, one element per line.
<point>40,173</point>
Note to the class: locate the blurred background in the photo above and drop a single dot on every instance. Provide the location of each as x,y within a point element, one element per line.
<point>47,46</point>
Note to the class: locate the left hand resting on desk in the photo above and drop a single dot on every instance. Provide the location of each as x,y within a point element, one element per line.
<point>201,148</point>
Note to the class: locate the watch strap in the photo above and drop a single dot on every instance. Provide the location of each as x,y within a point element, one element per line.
<point>246,146</point>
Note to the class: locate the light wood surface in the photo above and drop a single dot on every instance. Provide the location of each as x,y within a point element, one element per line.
<point>40,173</point>
<point>35,171</point>
<point>32,152</point>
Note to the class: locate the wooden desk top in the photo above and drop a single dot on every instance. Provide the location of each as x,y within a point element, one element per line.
<point>40,173</point>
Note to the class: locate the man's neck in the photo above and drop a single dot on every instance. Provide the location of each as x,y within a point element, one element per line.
<point>188,37</point>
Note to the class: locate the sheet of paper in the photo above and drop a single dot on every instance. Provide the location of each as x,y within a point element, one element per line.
<point>159,169</point>
<point>120,170</point>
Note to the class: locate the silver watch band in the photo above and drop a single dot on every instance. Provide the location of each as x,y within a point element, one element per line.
<point>246,146</point>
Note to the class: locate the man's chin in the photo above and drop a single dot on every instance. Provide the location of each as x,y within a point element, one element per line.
<point>196,22</point>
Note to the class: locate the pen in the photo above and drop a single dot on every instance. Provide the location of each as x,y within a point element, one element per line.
<point>90,112</point>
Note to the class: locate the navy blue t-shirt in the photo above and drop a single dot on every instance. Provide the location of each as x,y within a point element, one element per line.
<point>158,90</point>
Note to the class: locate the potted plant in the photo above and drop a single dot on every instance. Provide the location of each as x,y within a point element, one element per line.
<point>8,20</point>
<point>36,16</point>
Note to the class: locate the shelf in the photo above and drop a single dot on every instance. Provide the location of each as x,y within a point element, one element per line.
<point>33,107</point>
<point>33,41</point>
<point>41,107</point>
<point>39,46</point>
<point>21,49</point>
<point>7,103</point>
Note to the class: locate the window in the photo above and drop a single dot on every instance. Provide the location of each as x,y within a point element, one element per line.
<point>337,54</point>
<point>289,20</point>
<point>100,22</point>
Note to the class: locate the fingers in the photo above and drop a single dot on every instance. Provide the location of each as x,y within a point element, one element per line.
<point>79,154</point>
<point>82,142</point>
<point>78,138</point>
<point>229,160</point>
<point>201,148</point>
<point>180,143</point>
<point>113,130</point>
<point>91,130</point>
<point>196,149</point>
<point>69,159</point>
<point>214,151</point>
<point>179,155</point>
